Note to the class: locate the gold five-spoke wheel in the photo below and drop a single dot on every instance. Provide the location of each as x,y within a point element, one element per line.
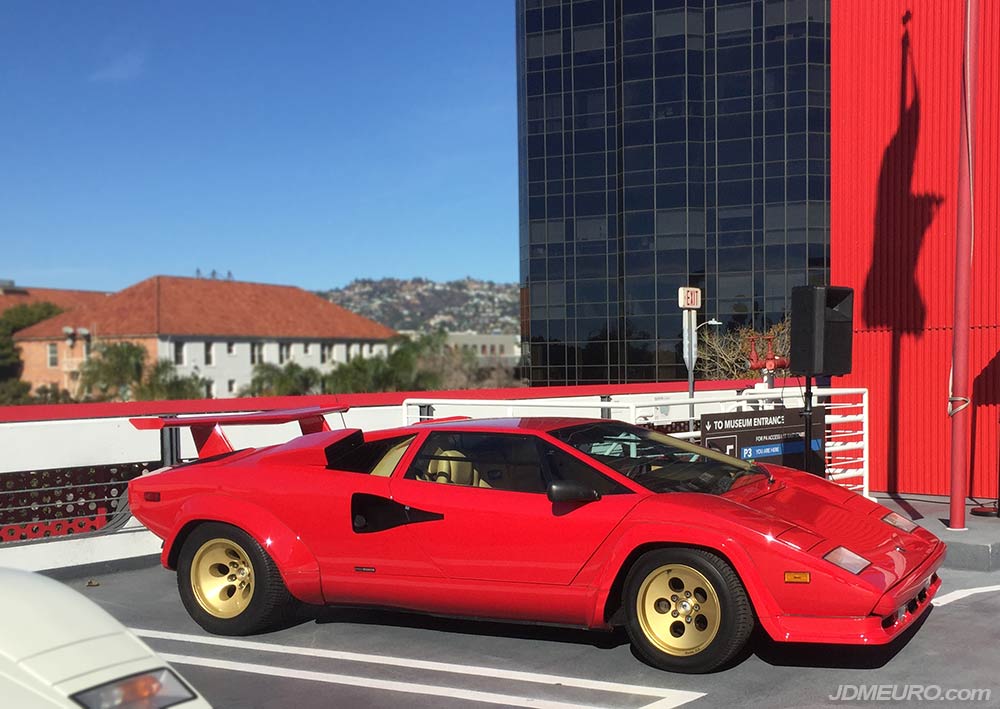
<point>222,578</point>
<point>678,609</point>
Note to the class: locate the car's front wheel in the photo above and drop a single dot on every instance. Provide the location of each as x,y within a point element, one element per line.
<point>686,610</point>
<point>228,583</point>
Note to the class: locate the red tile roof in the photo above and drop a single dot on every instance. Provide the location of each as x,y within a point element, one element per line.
<point>174,306</point>
<point>12,296</point>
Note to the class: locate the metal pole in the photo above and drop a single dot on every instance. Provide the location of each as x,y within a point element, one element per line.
<point>170,446</point>
<point>691,396</point>
<point>959,403</point>
<point>807,416</point>
<point>690,344</point>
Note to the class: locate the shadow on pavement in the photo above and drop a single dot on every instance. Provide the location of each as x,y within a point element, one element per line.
<point>852,657</point>
<point>366,616</point>
<point>773,653</point>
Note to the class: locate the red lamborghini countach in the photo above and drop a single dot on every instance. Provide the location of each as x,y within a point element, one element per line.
<point>581,522</point>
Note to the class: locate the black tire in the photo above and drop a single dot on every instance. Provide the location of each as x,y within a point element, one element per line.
<point>686,610</point>
<point>247,597</point>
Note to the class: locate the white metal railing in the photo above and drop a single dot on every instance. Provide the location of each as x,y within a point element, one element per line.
<point>846,417</point>
<point>49,444</point>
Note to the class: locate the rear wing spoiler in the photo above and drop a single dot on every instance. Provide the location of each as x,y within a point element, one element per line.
<point>207,429</point>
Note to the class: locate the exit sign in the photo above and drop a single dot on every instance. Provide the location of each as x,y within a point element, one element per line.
<point>689,298</point>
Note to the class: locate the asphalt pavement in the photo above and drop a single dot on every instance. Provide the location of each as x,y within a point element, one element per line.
<point>369,658</point>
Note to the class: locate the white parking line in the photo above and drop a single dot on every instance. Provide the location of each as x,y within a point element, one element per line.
<point>962,593</point>
<point>354,681</point>
<point>666,698</point>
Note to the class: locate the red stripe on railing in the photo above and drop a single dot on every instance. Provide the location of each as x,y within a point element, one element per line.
<point>54,412</point>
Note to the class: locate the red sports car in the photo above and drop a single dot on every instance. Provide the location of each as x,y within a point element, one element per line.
<point>581,522</point>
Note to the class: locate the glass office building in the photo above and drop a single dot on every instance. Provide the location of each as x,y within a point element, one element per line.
<point>665,143</point>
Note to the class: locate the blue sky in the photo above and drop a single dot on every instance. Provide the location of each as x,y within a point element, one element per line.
<point>307,143</point>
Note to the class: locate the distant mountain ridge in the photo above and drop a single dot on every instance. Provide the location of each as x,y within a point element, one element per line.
<point>424,305</point>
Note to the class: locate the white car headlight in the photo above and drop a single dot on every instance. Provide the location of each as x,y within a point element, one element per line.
<point>847,560</point>
<point>156,689</point>
<point>899,522</point>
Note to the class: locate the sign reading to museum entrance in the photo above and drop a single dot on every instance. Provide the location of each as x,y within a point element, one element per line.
<point>771,436</point>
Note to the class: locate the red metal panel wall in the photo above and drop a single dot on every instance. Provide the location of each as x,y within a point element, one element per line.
<point>894,159</point>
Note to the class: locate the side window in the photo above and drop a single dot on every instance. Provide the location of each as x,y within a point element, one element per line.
<point>374,457</point>
<point>388,462</point>
<point>563,466</point>
<point>487,460</point>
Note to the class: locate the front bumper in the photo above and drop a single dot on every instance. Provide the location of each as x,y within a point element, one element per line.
<point>896,610</point>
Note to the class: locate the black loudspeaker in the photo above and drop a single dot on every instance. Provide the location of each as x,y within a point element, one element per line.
<point>822,327</point>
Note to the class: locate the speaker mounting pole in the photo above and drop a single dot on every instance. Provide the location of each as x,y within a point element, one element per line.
<point>807,416</point>
<point>822,328</point>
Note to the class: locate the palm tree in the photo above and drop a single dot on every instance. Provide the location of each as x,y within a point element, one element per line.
<point>412,365</point>
<point>291,380</point>
<point>163,382</point>
<point>114,371</point>
<point>118,371</point>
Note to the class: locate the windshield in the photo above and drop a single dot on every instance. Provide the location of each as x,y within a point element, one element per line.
<point>656,461</point>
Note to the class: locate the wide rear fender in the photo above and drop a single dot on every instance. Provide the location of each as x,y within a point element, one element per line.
<point>297,564</point>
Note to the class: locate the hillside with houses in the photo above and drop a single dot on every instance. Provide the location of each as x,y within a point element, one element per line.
<point>420,304</point>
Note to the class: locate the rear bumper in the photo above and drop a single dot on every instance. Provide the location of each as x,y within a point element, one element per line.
<point>896,610</point>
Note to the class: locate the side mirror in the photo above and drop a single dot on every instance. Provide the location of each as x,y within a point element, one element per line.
<point>571,491</point>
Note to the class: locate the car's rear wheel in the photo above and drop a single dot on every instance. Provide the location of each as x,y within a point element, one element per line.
<point>686,610</point>
<point>228,583</point>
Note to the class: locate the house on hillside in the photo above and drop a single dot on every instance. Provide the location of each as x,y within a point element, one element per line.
<point>215,328</point>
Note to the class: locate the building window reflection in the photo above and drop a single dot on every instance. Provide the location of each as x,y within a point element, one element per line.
<point>660,145</point>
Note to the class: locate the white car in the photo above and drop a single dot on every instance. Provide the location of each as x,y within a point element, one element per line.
<point>59,649</point>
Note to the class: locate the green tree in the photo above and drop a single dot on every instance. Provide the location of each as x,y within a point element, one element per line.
<point>12,320</point>
<point>12,389</point>
<point>291,380</point>
<point>117,371</point>
<point>51,394</point>
<point>14,392</point>
<point>113,371</point>
<point>161,381</point>
<point>412,365</point>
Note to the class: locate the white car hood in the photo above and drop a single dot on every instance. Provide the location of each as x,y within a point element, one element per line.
<point>43,616</point>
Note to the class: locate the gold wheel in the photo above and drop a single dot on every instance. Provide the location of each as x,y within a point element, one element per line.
<point>678,609</point>
<point>222,578</point>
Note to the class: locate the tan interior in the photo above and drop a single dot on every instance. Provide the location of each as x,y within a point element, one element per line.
<point>390,460</point>
<point>453,467</point>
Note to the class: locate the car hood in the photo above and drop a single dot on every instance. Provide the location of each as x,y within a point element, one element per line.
<point>821,516</point>
<point>43,614</point>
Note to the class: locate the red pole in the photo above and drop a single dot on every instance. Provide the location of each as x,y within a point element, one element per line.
<point>959,405</point>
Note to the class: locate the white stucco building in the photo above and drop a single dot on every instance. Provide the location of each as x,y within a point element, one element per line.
<point>215,328</point>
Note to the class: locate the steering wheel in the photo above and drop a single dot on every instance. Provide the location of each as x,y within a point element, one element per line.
<point>419,474</point>
<point>637,468</point>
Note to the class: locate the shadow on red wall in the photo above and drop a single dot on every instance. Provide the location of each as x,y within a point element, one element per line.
<point>985,392</point>
<point>901,221</point>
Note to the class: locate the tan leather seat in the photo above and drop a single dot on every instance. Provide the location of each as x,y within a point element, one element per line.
<point>452,467</point>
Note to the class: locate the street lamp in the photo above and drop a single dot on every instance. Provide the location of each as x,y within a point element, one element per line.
<point>691,356</point>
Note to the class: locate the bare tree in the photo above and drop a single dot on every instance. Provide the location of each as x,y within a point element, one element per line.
<point>726,354</point>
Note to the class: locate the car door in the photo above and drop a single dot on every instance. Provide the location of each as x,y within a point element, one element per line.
<point>354,528</point>
<point>494,520</point>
